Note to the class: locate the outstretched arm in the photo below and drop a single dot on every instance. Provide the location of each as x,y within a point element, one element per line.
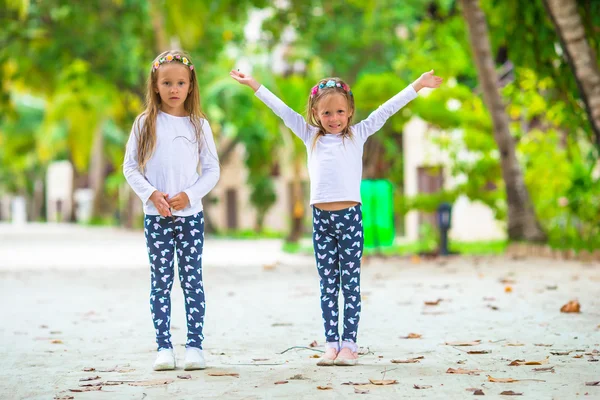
<point>377,118</point>
<point>291,118</point>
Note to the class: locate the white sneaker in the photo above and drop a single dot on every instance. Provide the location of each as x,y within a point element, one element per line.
<point>165,360</point>
<point>194,359</point>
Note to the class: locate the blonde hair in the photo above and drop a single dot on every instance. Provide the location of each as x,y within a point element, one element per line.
<point>321,91</point>
<point>145,123</point>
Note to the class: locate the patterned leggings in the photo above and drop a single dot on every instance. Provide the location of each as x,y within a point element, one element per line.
<point>338,243</point>
<point>164,236</point>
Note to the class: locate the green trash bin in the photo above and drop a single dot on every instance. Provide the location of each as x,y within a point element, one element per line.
<point>378,213</point>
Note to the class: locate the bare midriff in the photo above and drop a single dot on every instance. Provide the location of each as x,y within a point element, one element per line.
<point>335,205</point>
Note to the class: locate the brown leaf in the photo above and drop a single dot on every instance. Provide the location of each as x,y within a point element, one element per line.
<point>578,356</point>
<point>297,377</point>
<point>409,361</point>
<point>315,356</point>
<point>545,369</point>
<point>561,353</point>
<point>281,382</point>
<point>383,381</point>
<point>63,397</point>
<point>188,376</point>
<point>461,371</point>
<point>596,383</point>
<point>86,389</point>
<point>92,384</point>
<point>571,307</point>
<point>543,345</point>
<point>422,386</point>
<point>313,344</point>
<point>433,303</point>
<point>324,387</point>
<point>412,336</point>
<point>153,382</point>
<point>89,369</point>
<point>479,352</point>
<point>234,374</point>
<point>502,380</point>
<point>473,343</point>
<point>478,392</point>
<point>493,307</point>
<point>89,378</point>
<point>508,281</point>
<point>269,267</point>
<point>511,393</point>
<point>515,344</point>
<point>358,390</point>
<point>56,341</point>
<point>356,384</point>
<point>523,362</point>
<point>508,289</point>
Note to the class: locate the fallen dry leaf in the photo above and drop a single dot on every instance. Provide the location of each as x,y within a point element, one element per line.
<point>478,392</point>
<point>545,369</point>
<point>510,393</point>
<point>358,390</point>
<point>523,362</point>
<point>493,307</point>
<point>508,281</point>
<point>56,341</point>
<point>297,377</point>
<point>515,344</point>
<point>313,344</point>
<point>92,384</point>
<point>473,343</point>
<point>502,380</point>
<point>89,378</point>
<point>542,345</point>
<point>152,382</point>
<point>596,383</point>
<point>461,371</point>
<point>269,267</point>
<point>86,389</point>
<point>479,352</point>
<point>314,356</point>
<point>508,289</point>
<point>422,386</point>
<point>234,374</point>
<point>355,383</point>
<point>63,397</point>
<point>412,336</point>
<point>280,382</point>
<point>409,361</point>
<point>380,382</point>
<point>188,376</point>
<point>433,303</point>
<point>561,353</point>
<point>89,369</point>
<point>571,307</point>
<point>578,356</point>
<point>324,387</point>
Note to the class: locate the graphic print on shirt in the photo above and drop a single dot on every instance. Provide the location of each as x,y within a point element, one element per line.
<point>338,244</point>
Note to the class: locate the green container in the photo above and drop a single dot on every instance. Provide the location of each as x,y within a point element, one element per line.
<point>378,213</point>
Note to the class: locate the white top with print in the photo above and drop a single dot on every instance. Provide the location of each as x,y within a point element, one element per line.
<point>173,168</point>
<point>335,165</point>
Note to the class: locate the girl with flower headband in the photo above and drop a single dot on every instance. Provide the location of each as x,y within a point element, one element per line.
<point>167,143</point>
<point>335,170</point>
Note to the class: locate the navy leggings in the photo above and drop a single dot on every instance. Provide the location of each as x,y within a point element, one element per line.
<point>164,237</point>
<point>338,242</point>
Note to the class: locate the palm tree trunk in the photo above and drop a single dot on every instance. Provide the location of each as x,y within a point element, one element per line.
<point>580,56</point>
<point>522,221</point>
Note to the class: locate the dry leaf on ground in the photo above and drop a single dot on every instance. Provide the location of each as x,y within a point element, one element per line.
<point>422,386</point>
<point>542,345</point>
<point>89,369</point>
<point>523,362</point>
<point>383,382</point>
<point>91,384</point>
<point>478,392</point>
<point>358,390</point>
<point>571,307</point>
<point>152,382</point>
<point>87,389</point>
<point>56,341</point>
<point>234,374</point>
<point>545,369</point>
<point>280,382</point>
<point>313,344</point>
<point>561,353</point>
<point>89,378</point>
<point>515,344</point>
<point>63,397</point>
<point>510,393</point>
<point>461,371</point>
<point>578,356</point>
<point>297,377</point>
<point>473,343</point>
<point>354,383</point>
<point>188,376</point>
<point>502,380</point>
<point>508,289</point>
<point>479,352</point>
<point>433,303</point>
<point>314,356</point>
<point>324,387</point>
<point>412,336</point>
<point>596,383</point>
<point>409,361</point>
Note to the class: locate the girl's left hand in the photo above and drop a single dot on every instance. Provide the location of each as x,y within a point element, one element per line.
<point>179,201</point>
<point>428,80</point>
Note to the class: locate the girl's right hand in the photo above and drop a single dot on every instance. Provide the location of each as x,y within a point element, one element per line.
<point>245,79</point>
<point>159,200</point>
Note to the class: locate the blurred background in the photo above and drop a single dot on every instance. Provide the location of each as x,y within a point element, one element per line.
<point>508,146</point>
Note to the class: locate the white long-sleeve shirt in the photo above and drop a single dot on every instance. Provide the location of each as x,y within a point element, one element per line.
<point>335,164</point>
<point>173,168</point>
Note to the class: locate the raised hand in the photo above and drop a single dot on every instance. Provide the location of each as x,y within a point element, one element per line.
<point>428,80</point>
<point>159,200</point>
<point>179,201</point>
<point>245,79</point>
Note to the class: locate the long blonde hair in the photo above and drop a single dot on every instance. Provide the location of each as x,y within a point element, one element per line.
<point>145,123</point>
<point>321,91</point>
